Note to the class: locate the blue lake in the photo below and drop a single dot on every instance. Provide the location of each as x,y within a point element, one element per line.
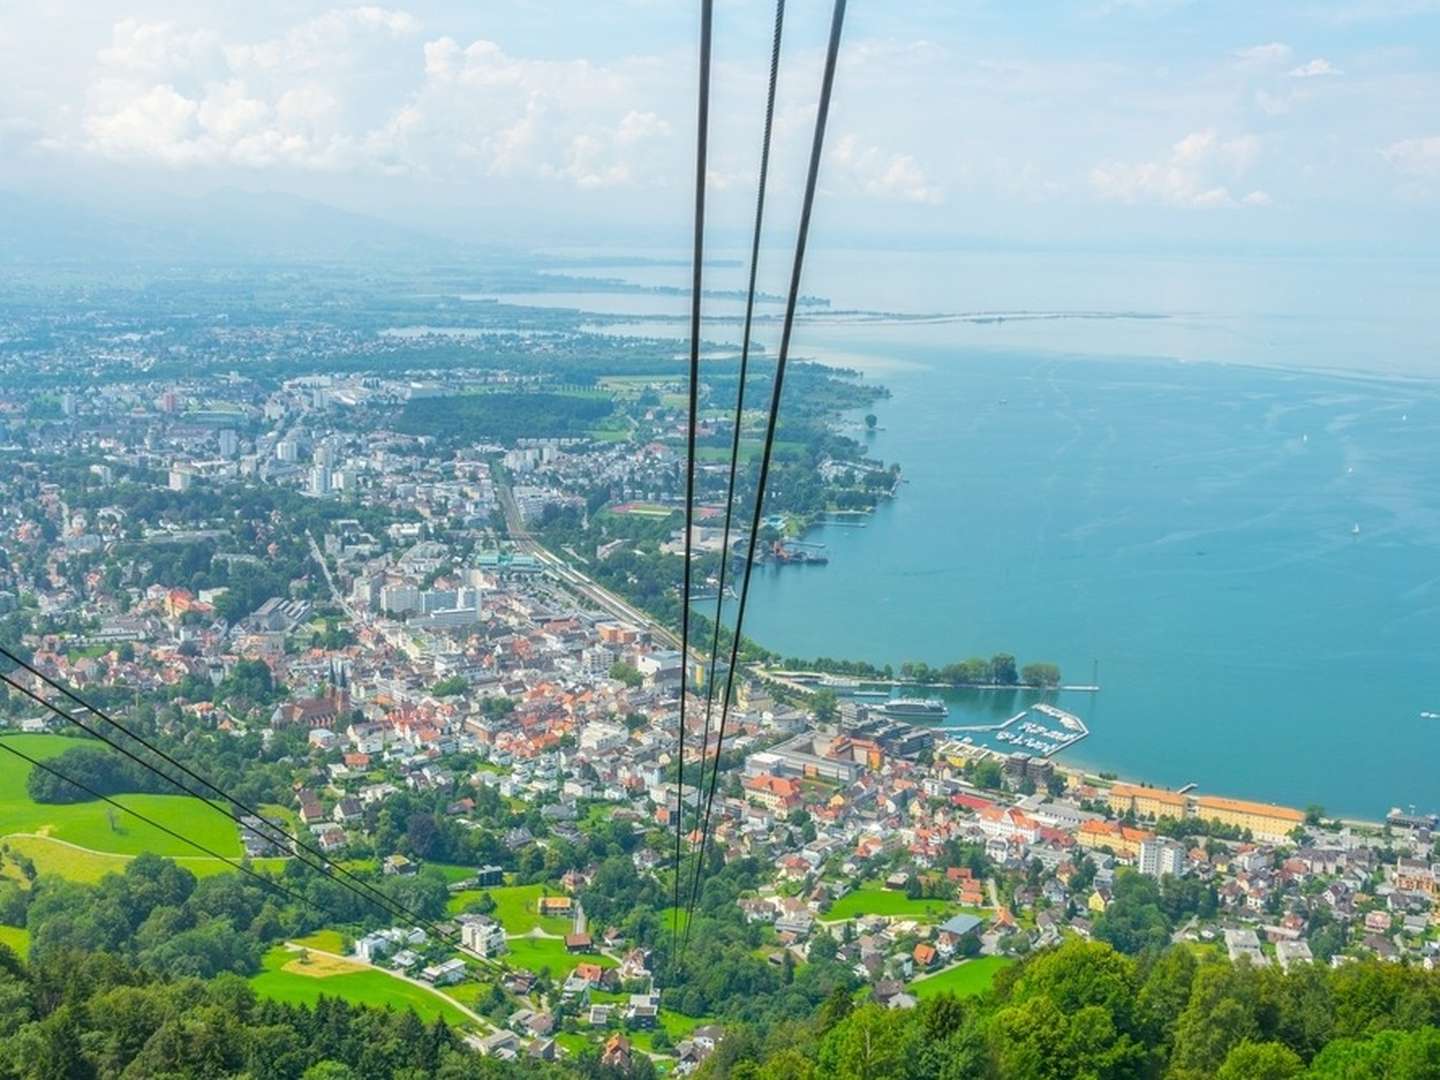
<point>1174,500</point>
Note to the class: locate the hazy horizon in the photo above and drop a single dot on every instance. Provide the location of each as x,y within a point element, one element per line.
<point>1120,124</point>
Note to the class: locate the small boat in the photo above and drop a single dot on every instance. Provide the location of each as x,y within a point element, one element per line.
<point>1356,530</point>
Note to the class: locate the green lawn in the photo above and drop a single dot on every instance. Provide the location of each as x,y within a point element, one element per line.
<point>80,864</point>
<point>370,987</point>
<point>536,953</point>
<point>517,909</point>
<point>572,1042</point>
<point>89,824</point>
<point>874,900</point>
<point>668,923</point>
<point>331,941</point>
<point>452,871</point>
<point>972,977</point>
<point>17,937</point>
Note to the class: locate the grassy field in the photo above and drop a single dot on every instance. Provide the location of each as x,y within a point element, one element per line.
<point>17,937</point>
<point>665,915</point>
<point>331,941</point>
<point>972,977</point>
<point>281,981</point>
<point>874,900</point>
<point>516,908</point>
<point>536,953</point>
<point>83,865</point>
<point>80,864</point>
<point>96,825</point>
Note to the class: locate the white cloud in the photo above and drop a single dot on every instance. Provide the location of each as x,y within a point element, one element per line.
<point>300,99</point>
<point>882,175</point>
<point>1418,158</point>
<point>1197,173</point>
<point>1275,52</point>
<point>1314,69</point>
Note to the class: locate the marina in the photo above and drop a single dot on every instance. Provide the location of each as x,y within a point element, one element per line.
<point>1020,733</point>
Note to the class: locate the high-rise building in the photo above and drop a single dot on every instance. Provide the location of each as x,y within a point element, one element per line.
<point>181,479</point>
<point>1162,856</point>
<point>320,480</point>
<point>229,443</point>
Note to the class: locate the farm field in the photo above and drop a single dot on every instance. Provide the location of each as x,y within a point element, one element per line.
<point>281,981</point>
<point>96,825</point>
<point>972,977</point>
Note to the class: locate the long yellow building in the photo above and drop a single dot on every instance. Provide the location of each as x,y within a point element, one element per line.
<point>1148,802</point>
<point>1265,820</point>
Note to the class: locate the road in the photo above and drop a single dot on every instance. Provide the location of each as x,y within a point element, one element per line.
<point>573,579</point>
<point>339,597</point>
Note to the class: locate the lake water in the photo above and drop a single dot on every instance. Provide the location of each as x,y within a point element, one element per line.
<point>1174,500</point>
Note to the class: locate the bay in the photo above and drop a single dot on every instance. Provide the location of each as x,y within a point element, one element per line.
<point>1173,501</point>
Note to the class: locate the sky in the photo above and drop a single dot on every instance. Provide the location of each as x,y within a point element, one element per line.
<point>1306,125</point>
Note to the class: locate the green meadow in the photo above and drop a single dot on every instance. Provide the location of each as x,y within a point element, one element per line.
<point>970,978</point>
<point>100,827</point>
<point>367,987</point>
<point>516,908</point>
<point>874,900</point>
<point>537,954</point>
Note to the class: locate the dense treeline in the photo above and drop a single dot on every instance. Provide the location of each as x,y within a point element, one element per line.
<point>503,416</point>
<point>1084,1010</point>
<point>78,1015</point>
<point>101,771</point>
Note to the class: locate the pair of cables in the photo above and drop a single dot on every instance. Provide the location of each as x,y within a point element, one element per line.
<point>121,738</point>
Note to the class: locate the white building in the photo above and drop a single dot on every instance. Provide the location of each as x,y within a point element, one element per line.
<point>483,936</point>
<point>1161,856</point>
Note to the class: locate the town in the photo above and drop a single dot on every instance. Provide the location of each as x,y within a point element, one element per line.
<point>452,662</point>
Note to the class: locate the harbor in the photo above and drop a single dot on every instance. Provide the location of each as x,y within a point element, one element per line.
<point>1041,729</point>
<point>1020,733</point>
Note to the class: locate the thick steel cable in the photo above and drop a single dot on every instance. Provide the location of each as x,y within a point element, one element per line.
<point>702,139</point>
<point>817,145</point>
<point>725,554</point>
<point>268,882</point>
<point>269,833</point>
